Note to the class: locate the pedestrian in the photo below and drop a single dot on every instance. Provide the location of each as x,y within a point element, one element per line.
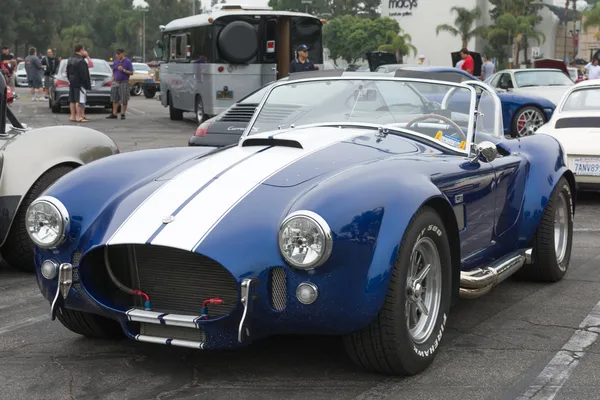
<point>34,70</point>
<point>468,64</point>
<point>119,91</point>
<point>79,83</point>
<point>90,65</point>
<point>487,69</point>
<point>51,64</point>
<point>301,62</point>
<point>10,62</point>
<point>593,69</point>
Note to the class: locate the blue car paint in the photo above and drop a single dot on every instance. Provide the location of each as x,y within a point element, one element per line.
<point>367,190</point>
<point>511,103</point>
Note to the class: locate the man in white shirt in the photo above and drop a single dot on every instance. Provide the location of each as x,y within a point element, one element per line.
<point>459,64</point>
<point>593,69</point>
<point>487,69</point>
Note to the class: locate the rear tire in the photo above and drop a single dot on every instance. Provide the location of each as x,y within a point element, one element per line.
<point>388,344</point>
<point>174,113</point>
<point>56,108</point>
<point>89,325</point>
<point>553,240</point>
<point>18,248</point>
<point>149,93</point>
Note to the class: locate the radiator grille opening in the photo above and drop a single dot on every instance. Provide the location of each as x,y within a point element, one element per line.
<point>173,332</point>
<point>278,289</point>
<point>177,281</point>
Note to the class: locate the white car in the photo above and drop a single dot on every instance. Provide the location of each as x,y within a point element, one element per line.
<point>22,76</point>
<point>548,83</point>
<point>576,125</point>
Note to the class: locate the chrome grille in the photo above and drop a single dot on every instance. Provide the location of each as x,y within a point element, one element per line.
<point>178,281</point>
<point>173,332</point>
<point>278,288</point>
<point>240,113</point>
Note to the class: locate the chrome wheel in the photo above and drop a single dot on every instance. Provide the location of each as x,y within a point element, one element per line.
<point>561,228</point>
<point>423,290</point>
<point>529,121</point>
<point>137,89</point>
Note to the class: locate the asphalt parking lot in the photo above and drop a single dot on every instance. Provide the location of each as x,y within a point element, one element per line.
<point>521,341</point>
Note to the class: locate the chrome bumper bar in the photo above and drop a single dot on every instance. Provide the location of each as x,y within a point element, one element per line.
<point>65,281</point>
<point>476,283</point>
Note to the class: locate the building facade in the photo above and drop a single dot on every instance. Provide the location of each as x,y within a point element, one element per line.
<point>419,18</point>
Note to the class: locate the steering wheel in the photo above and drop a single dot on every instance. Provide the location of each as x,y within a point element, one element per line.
<point>437,116</point>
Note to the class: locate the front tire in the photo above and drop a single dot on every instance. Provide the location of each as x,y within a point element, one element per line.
<point>18,248</point>
<point>136,90</point>
<point>526,121</point>
<point>404,337</point>
<point>149,92</point>
<point>553,239</point>
<point>89,325</point>
<point>174,113</point>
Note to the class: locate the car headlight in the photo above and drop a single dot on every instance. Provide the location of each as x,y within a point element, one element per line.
<point>305,240</point>
<point>47,222</point>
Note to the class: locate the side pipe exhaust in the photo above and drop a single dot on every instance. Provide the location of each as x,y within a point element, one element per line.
<point>476,283</point>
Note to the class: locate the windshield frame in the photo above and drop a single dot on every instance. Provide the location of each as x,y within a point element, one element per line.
<point>471,123</point>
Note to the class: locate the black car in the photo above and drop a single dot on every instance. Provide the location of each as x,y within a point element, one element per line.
<point>227,127</point>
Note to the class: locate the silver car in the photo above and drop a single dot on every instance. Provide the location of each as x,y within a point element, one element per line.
<point>101,76</point>
<point>30,161</point>
<point>21,76</point>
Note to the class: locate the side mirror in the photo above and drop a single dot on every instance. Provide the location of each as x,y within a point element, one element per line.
<point>484,151</point>
<point>3,104</point>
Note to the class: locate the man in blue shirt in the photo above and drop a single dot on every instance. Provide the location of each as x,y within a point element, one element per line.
<point>119,91</point>
<point>301,63</point>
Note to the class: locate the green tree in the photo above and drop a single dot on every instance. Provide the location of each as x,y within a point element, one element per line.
<point>592,18</point>
<point>516,30</point>
<point>351,37</point>
<point>463,25</point>
<point>400,44</point>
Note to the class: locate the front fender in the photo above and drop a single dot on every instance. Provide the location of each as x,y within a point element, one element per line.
<point>546,166</point>
<point>368,210</point>
<point>29,155</point>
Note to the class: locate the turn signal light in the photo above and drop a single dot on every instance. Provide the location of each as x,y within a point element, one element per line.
<point>61,83</point>
<point>202,129</point>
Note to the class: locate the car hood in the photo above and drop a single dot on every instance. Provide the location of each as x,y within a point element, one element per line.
<point>552,93</point>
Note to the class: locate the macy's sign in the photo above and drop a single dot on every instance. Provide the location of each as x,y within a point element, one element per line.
<point>410,4</point>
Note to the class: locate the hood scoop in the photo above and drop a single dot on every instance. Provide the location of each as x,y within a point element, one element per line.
<point>271,141</point>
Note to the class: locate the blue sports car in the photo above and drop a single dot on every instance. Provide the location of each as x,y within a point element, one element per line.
<point>522,115</point>
<point>364,212</point>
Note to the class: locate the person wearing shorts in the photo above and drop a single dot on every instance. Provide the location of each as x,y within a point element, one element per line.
<point>79,83</point>
<point>119,91</point>
<point>33,68</point>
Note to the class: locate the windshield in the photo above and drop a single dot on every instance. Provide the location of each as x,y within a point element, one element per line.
<point>542,78</point>
<point>573,73</point>
<point>141,67</point>
<point>583,100</point>
<point>374,101</point>
<point>100,67</point>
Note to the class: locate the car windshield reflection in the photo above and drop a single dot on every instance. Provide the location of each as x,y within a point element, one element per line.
<point>436,109</point>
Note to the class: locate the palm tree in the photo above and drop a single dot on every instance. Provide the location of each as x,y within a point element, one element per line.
<point>463,25</point>
<point>519,29</point>
<point>398,43</point>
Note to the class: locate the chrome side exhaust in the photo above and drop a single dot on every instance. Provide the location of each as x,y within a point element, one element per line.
<point>478,282</point>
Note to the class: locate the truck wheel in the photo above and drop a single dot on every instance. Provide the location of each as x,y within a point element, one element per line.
<point>199,106</point>
<point>553,240</point>
<point>175,114</point>
<point>18,248</point>
<point>136,90</point>
<point>89,325</point>
<point>404,337</point>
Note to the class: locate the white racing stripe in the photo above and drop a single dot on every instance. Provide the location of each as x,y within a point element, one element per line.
<point>198,218</point>
<point>147,218</point>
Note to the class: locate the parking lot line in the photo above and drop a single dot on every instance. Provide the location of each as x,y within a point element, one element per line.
<point>549,382</point>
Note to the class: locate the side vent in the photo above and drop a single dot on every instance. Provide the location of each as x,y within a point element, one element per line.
<point>278,288</point>
<point>272,142</point>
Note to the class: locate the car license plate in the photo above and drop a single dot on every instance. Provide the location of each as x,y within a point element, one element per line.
<point>586,166</point>
<point>224,95</point>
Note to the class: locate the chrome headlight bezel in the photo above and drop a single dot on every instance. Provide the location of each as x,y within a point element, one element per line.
<point>324,230</point>
<point>62,214</point>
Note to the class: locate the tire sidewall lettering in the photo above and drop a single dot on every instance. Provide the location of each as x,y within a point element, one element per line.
<point>438,339</point>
